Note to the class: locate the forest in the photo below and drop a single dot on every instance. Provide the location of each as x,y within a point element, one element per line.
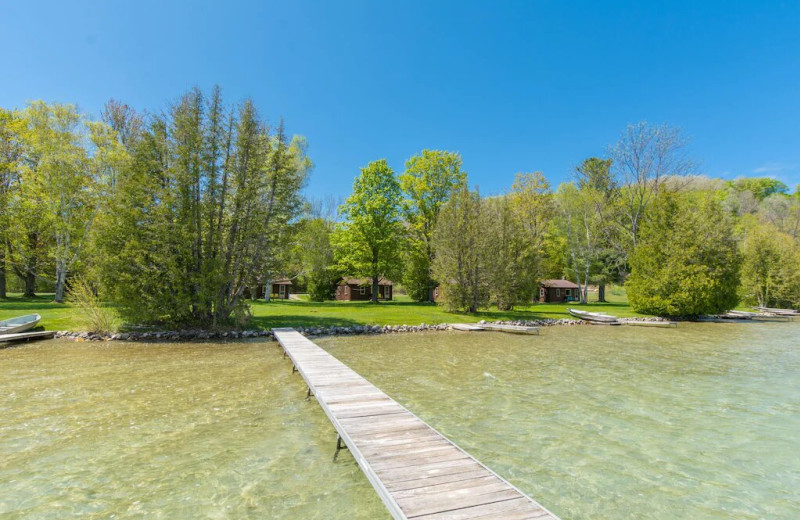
<point>175,217</point>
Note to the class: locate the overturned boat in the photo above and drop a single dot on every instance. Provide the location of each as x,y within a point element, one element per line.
<point>19,324</point>
<point>595,317</point>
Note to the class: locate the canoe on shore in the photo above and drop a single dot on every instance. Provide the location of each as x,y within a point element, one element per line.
<point>594,317</point>
<point>778,312</point>
<point>19,324</point>
<point>658,323</point>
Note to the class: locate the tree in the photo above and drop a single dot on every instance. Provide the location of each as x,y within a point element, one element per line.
<point>316,257</point>
<point>64,177</point>
<point>200,212</point>
<point>508,255</point>
<point>687,262</point>
<point>580,223</point>
<point>771,266</point>
<point>10,151</point>
<point>597,184</point>
<point>533,206</point>
<point>370,240</point>
<point>460,247</point>
<point>428,181</point>
<point>643,158</point>
<point>760,187</point>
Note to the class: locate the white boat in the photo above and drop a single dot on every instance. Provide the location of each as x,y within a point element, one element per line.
<point>19,324</point>
<point>778,312</point>
<point>595,317</point>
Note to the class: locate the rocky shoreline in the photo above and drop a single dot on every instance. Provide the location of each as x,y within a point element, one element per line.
<point>352,330</point>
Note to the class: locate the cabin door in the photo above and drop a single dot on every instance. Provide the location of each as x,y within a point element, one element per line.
<point>282,291</point>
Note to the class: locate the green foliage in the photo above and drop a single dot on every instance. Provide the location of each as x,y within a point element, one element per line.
<point>760,187</point>
<point>687,262</point>
<point>508,258</point>
<point>316,257</point>
<point>461,244</point>
<point>771,267</point>
<point>533,207</point>
<point>369,243</point>
<point>199,213</point>
<point>428,181</point>
<point>98,317</point>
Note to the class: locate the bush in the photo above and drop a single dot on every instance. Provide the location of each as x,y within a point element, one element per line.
<point>99,318</point>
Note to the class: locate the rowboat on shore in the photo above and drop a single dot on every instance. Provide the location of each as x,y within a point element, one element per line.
<point>19,324</point>
<point>778,312</point>
<point>594,317</point>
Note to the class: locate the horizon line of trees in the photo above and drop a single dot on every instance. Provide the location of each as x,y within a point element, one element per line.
<point>175,217</point>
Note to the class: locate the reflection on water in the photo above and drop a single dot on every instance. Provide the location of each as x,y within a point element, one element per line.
<point>167,431</point>
<point>702,421</point>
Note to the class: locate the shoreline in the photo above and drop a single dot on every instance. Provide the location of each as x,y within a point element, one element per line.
<point>316,332</point>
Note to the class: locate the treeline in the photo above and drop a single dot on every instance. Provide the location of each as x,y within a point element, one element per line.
<point>180,216</point>
<point>170,215</point>
<point>683,244</point>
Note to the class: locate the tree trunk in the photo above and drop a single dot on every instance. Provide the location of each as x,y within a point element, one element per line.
<point>374,295</point>
<point>601,293</point>
<point>61,278</point>
<point>2,273</point>
<point>30,284</point>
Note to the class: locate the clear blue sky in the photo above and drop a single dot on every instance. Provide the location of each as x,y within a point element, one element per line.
<point>512,86</point>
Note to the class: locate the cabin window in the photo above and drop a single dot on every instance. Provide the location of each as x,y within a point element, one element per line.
<point>569,292</point>
<point>362,290</point>
<point>558,293</point>
<point>346,290</point>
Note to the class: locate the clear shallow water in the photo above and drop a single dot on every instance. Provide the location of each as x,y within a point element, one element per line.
<point>167,431</point>
<point>698,422</point>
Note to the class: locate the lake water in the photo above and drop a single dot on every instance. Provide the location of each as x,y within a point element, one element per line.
<point>702,421</point>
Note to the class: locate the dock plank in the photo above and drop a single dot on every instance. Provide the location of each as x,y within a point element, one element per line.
<point>417,472</point>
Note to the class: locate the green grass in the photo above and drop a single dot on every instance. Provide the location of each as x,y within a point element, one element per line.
<point>303,313</point>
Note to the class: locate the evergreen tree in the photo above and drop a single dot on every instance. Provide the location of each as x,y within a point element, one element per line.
<point>460,245</point>
<point>200,212</point>
<point>687,262</point>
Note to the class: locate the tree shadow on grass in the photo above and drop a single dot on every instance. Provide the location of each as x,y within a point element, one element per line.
<point>289,320</point>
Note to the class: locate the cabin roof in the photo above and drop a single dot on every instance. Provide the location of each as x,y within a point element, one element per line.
<point>560,284</point>
<point>282,281</point>
<point>364,281</point>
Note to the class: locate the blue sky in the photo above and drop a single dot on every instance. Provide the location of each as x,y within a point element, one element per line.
<point>512,86</point>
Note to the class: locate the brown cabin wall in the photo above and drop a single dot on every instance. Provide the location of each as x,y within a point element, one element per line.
<point>556,294</point>
<point>353,292</point>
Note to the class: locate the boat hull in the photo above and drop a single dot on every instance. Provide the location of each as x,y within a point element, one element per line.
<point>20,324</point>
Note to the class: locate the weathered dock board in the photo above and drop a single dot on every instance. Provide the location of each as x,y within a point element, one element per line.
<point>416,471</point>
<point>22,336</point>
<point>513,329</point>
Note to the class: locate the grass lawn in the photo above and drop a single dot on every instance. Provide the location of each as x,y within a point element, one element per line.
<point>303,313</point>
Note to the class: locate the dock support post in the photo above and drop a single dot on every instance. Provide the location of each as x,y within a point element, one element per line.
<point>308,394</point>
<point>294,369</point>
<point>339,447</point>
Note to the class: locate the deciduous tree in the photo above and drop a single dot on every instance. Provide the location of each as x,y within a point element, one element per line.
<point>428,181</point>
<point>369,242</point>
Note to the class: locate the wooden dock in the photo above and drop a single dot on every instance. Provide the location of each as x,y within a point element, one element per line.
<point>27,336</point>
<point>416,471</point>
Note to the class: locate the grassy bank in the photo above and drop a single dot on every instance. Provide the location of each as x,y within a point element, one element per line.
<point>297,313</point>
